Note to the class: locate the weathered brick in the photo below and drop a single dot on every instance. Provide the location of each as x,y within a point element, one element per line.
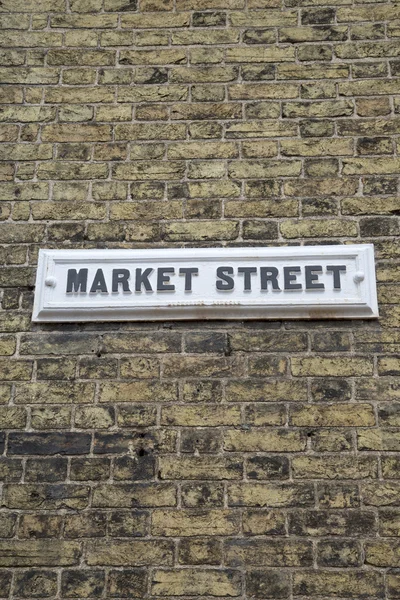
<point>199,552</point>
<point>76,583</point>
<point>36,584</point>
<point>205,415</point>
<point>194,522</point>
<point>332,583</point>
<point>25,553</point>
<point>205,467</point>
<point>271,391</point>
<point>134,495</point>
<point>334,467</point>
<point>278,440</point>
<point>321,366</point>
<point>270,495</point>
<point>127,553</point>
<point>196,582</point>
<point>334,415</point>
<point>326,523</point>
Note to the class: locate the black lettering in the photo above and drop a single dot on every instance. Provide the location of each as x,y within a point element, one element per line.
<point>336,269</point>
<point>269,274</point>
<point>163,280</point>
<point>188,272</point>
<point>227,282</point>
<point>311,277</point>
<point>120,277</point>
<point>77,280</point>
<point>99,283</point>
<point>247,272</point>
<point>290,277</point>
<point>143,279</point>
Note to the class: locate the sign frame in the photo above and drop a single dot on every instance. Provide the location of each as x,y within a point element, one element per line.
<point>364,307</point>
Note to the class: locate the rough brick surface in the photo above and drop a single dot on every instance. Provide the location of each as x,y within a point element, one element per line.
<point>231,460</point>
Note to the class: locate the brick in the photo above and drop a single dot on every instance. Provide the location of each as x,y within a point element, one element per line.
<point>46,469</point>
<point>260,129</point>
<point>267,583</point>
<point>202,150</point>
<point>205,467</point>
<point>334,467</point>
<point>267,18</point>
<point>155,20</point>
<point>263,522</point>
<point>278,440</point>
<point>262,91</point>
<point>49,443</point>
<point>129,553</point>
<point>205,415</point>
<point>311,147</point>
<point>128,523</point>
<point>199,552</point>
<point>339,554</point>
<point>283,553</point>
<point>331,583</point>
<point>129,582</point>
<point>274,390</point>
<point>142,391</point>
<point>76,133</point>
<point>385,440</point>
<point>335,415</point>
<point>325,72</point>
<point>25,553</point>
<point>36,584</point>
<point>270,495</point>
<point>194,522</point>
<point>208,230</point>
<point>87,525</point>
<point>318,109</point>
<point>326,523</point>
<point>76,583</point>
<point>156,93</point>
<point>196,582</point>
<point>54,393</point>
<point>134,495</point>
<point>202,495</point>
<point>320,366</point>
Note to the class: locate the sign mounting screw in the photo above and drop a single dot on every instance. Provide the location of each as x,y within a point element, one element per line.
<point>359,276</point>
<point>51,281</point>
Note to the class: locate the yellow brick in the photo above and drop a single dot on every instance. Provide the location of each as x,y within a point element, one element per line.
<point>331,367</point>
<point>261,91</point>
<point>217,36</point>
<point>334,467</point>
<point>205,467</point>
<point>190,150</point>
<point>317,147</point>
<point>260,129</point>
<point>263,18</point>
<point>194,522</point>
<point>150,21</point>
<point>259,169</point>
<point>370,166</point>
<point>270,494</point>
<point>196,582</point>
<point>295,71</point>
<point>264,440</point>
<point>335,415</point>
<point>152,57</point>
<point>318,228</point>
<point>206,415</point>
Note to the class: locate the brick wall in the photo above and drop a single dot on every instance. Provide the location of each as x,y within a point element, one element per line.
<point>199,459</point>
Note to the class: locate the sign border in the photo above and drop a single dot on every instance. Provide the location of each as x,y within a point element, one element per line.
<point>225,309</point>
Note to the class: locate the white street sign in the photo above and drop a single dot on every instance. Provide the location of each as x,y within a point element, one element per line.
<point>297,282</point>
